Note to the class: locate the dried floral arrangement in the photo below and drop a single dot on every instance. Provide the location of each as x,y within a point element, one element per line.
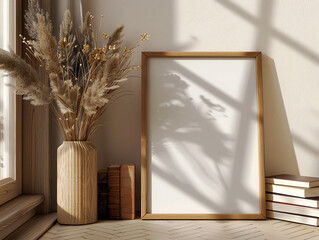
<point>82,76</point>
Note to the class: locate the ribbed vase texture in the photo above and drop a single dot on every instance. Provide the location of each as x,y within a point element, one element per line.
<point>77,183</point>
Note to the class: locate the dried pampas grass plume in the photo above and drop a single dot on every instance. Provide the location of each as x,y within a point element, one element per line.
<point>66,27</point>
<point>115,39</point>
<point>86,34</point>
<point>27,81</point>
<point>31,19</point>
<point>45,45</point>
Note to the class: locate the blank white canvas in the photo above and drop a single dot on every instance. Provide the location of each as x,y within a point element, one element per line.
<point>202,136</point>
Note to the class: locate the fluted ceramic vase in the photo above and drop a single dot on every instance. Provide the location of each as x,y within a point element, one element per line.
<point>77,183</point>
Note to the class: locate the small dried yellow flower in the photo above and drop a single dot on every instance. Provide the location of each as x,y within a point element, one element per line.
<point>145,37</point>
<point>86,48</point>
<point>63,43</point>
<point>96,55</point>
<point>105,36</point>
<point>128,52</point>
<point>112,47</point>
<point>134,67</point>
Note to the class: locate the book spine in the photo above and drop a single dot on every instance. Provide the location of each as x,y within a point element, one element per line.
<point>293,209</point>
<point>102,194</point>
<point>127,192</point>
<point>113,192</point>
<point>288,183</point>
<point>292,218</point>
<point>291,191</point>
<point>292,200</point>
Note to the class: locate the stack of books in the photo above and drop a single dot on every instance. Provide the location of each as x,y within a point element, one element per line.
<point>117,192</point>
<point>293,198</point>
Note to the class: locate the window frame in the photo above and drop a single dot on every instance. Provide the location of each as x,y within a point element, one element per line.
<point>9,187</point>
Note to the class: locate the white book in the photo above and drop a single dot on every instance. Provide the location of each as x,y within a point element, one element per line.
<point>288,208</point>
<point>293,191</point>
<point>293,180</point>
<point>293,218</point>
<point>314,203</point>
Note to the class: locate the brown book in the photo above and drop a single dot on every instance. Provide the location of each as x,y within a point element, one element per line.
<point>113,199</point>
<point>102,175</point>
<point>115,214</point>
<point>102,206</point>
<point>127,191</point>
<point>102,181</point>
<point>102,193</point>
<point>293,180</point>
<point>114,211</point>
<point>113,192</point>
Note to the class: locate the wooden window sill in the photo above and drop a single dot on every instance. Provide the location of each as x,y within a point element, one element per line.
<point>17,211</point>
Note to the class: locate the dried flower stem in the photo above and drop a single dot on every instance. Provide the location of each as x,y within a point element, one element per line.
<point>58,117</point>
<point>85,88</point>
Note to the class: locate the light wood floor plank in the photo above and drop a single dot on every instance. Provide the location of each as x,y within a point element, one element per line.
<point>175,230</point>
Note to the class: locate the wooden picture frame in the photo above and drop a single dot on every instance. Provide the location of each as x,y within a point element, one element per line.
<point>178,190</point>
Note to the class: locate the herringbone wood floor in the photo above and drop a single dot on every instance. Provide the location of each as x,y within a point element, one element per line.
<point>162,230</point>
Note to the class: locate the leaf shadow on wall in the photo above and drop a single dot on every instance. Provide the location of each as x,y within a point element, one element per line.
<point>188,129</point>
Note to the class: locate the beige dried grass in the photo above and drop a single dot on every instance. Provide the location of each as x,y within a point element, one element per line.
<point>82,76</point>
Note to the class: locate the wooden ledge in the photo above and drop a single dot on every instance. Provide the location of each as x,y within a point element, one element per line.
<point>34,228</point>
<point>20,208</point>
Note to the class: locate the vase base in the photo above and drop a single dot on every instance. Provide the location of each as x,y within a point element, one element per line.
<point>70,222</point>
<point>77,183</point>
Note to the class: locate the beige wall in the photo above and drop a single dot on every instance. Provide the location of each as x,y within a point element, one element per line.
<point>287,32</point>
